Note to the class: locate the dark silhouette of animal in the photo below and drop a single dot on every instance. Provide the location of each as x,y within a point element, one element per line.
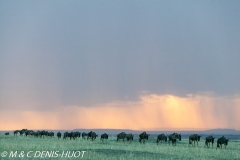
<point>43,133</point>
<point>222,141</point>
<point>143,136</point>
<point>22,131</point>
<point>92,135</point>
<point>129,137</point>
<point>121,135</point>
<point>15,132</point>
<point>77,134</point>
<point>27,132</point>
<point>65,135</point>
<point>173,138</point>
<point>59,134</point>
<point>37,134</point>
<point>161,138</point>
<point>194,138</point>
<point>7,133</point>
<point>71,135</point>
<point>50,134</point>
<point>209,139</point>
<point>104,136</point>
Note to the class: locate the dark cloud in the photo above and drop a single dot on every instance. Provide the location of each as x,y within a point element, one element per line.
<point>83,53</point>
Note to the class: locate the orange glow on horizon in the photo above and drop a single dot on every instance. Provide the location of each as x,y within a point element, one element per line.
<point>151,111</point>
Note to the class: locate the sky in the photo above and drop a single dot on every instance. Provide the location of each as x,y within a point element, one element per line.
<point>125,64</point>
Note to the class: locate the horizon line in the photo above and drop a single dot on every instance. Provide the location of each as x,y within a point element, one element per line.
<point>145,129</point>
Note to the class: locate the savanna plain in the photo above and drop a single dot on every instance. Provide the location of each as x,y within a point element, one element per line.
<point>113,150</point>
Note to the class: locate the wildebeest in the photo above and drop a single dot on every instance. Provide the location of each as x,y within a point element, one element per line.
<point>221,141</point>
<point>173,138</point>
<point>209,139</point>
<point>77,134</point>
<point>15,132</point>
<point>92,135</point>
<point>29,133</point>
<point>84,134</point>
<point>143,136</point>
<point>22,131</point>
<point>129,137</point>
<point>43,133</point>
<point>37,134</point>
<point>161,138</point>
<point>194,138</point>
<point>104,136</point>
<point>59,134</point>
<point>65,135</point>
<point>7,133</point>
<point>50,134</point>
<point>121,135</point>
<point>71,135</point>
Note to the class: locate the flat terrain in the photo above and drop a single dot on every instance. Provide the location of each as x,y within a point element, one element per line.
<point>64,149</point>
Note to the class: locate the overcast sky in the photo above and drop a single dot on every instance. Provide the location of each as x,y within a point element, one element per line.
<point>84,53</point>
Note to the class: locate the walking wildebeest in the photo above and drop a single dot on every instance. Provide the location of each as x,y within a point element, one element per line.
<point>173,138</point>
<point>221,141</point>
<point>161,138</point>
<point>59,134</point>
<point>121,136</point>
<point>143,136</point>
<point>7,133</point>
<point>92,135</point>
<point>104,136</point>
<point>129,137</point>
<point>194,137</point>
<point>209,139</point>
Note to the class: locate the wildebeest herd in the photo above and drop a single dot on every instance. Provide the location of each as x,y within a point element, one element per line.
<point>161,138</point>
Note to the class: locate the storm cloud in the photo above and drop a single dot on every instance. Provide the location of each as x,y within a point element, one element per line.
<point>61,54</point>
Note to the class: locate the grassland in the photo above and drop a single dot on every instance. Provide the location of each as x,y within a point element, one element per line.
<point>112,150</point>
